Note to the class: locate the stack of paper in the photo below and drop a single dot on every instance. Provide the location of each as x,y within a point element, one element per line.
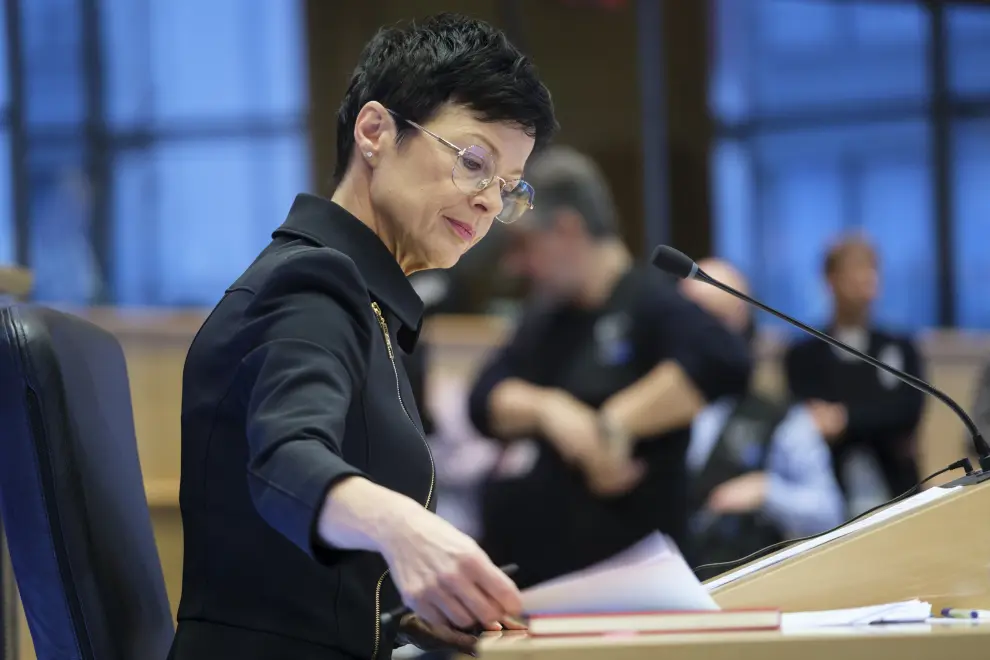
<point>911,611</point>
<point>651,576</point>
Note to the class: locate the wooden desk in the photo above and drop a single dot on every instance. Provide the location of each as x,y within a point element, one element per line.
<point>900,642</point>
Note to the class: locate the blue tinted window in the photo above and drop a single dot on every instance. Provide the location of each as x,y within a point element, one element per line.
<point>969,49</point>
<point>784,56</point>
<point>129,90</point>
<point>237,59</point>
<point>897,210</point>
<point>734,230</point>
<point>53,80</point>
<point>972,223</point>
<point>8,239</point>
<point>808,187</point>
<point>4,89</point>
<point>192,215</point>
<point>63,258</point>
<point>800,205</point>
<point>782,196</point>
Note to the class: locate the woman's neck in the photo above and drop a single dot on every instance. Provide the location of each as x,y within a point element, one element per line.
<point>354,198</point>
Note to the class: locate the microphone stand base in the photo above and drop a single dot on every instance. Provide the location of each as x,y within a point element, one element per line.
<point>971,479</point>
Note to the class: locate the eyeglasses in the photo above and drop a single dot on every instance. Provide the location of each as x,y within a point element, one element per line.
<point>474,170</point>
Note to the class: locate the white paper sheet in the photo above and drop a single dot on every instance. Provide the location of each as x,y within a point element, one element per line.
<point>910,611</point>
<point>649,576</point>
<point>914,502</point>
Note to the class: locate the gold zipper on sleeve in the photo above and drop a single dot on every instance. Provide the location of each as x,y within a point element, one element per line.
<point>433,471</point>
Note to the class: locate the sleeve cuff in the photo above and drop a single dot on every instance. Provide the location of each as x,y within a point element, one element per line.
<point>292,504</point>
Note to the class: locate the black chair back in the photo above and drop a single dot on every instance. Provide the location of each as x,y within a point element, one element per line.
<point>8,604</point>
<point>72,496</point>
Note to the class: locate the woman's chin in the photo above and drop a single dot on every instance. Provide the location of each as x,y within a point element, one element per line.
<point>448,261</point>
<point>446,256</point>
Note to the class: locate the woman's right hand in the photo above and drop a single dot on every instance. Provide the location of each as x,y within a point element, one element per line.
<point>443,575</point>
<point>440,572</point>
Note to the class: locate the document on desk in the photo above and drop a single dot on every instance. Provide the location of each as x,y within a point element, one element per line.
<point>910,611</point>
<point>650,576</point>
<point>921,499</point>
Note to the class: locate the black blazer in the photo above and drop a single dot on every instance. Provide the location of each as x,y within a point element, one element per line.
<point>293,383</point>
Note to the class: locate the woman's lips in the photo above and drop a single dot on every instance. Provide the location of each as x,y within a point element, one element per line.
<point>462,229</point>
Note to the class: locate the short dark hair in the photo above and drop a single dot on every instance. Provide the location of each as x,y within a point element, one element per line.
<point>564,177</point>
<point>414,68</point>
<point>843,248</point>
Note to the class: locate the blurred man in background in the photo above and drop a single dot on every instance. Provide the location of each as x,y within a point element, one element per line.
<point>869,417</point>
<point>605,372</point>
<point>761,470</point>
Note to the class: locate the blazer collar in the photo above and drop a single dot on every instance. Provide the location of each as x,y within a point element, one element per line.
<point>327,224</point>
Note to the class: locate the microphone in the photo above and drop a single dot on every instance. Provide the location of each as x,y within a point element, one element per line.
<point>680,265</point>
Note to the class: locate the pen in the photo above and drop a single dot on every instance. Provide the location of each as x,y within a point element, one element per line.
<point>402,610</point>
<point>954,613</point>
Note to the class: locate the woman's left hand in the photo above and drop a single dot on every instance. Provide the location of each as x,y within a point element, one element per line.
<point>432,638</point>
<point>435,638</point>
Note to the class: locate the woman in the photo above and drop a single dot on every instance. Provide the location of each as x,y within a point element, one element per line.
<point>307,487</point>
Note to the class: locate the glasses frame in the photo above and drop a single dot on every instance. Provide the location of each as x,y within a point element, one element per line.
<point>460,151</point>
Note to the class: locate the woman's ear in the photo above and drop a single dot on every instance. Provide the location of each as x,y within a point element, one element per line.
<point>374,129</point>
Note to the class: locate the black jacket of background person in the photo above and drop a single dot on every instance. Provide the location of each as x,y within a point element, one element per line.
<point>547,521</point>
<point>289,386</point>
<point>883,412</point>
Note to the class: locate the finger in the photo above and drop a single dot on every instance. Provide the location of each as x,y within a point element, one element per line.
<point>495,626</point>
<point>456,614</point>
<point>430,614</point>
<point>482,608</point>
<point>500,588</point>
<point>511,623</point>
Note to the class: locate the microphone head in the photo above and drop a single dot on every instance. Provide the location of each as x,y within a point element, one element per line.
<point>674,262</point>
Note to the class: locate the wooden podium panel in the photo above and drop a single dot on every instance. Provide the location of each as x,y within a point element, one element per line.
<point>938,553</point>
<point>15,281</point>
<point>893,642</point>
